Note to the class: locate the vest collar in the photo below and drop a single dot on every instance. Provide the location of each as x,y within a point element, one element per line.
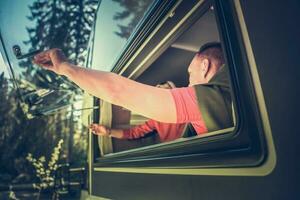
<point>220,78</point>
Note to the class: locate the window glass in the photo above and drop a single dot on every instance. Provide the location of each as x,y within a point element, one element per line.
<point>116,21</point>
<point>34,25</point>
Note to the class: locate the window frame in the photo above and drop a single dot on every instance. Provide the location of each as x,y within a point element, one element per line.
<point>242,146</point>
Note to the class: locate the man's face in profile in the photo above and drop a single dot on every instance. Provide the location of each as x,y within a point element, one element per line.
<point>197,70</point>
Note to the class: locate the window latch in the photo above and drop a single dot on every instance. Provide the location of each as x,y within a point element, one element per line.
<point>18,53</point>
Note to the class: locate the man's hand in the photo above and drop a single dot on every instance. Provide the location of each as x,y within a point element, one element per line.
<point>98,129</point>
<point>52,60</point>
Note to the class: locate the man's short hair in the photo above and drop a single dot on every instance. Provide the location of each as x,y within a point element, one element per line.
<point>212,50</point>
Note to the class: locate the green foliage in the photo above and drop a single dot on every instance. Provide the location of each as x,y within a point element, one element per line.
<point>46,172</point>
<point>20,135</point>
<point>12,196</point>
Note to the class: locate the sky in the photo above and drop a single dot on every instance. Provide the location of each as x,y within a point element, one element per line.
<point>3,67</point>
<point>13,23</point>
<point>107,45</point>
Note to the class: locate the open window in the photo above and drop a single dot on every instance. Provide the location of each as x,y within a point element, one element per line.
<point>160,49</point>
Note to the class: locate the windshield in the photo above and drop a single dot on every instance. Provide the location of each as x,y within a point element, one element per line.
<point>28,27</point>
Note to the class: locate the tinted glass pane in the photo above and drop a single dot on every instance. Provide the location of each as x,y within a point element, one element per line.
<point>116,22</point>
<point>35,25</point>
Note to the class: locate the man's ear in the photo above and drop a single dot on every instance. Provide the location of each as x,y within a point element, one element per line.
<point>206,66</point>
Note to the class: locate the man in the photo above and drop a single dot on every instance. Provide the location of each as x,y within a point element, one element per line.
<point>206,103</point>
<point>166,131</point>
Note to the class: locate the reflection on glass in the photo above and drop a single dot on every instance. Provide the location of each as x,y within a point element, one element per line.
<point>37,25</point>
<point>116,21</point>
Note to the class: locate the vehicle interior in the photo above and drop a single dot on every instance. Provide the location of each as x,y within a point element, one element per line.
<point>172,64</point>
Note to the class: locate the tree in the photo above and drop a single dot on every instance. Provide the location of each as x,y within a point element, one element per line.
<point>135,10</point>
<point>64,24</point>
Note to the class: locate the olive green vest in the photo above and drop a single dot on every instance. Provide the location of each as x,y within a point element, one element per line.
<point>215,104</point>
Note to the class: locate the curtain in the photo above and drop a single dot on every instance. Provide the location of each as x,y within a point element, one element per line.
<point>105,119</point>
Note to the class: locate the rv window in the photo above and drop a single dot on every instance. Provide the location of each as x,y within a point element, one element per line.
<point>166,56</point>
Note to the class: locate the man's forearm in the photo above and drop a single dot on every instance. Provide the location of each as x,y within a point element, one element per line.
<point>97,83</point>
<point>154,103</point>
<point>116,133</point>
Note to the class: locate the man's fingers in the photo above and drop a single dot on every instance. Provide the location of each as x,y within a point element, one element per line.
<point>42,55</point>
<point>51,60</point>
<point>92,125</point>
<point>42,59</point>
<point>97,129</point>
<point>45,64</point>
<point>94,128</point>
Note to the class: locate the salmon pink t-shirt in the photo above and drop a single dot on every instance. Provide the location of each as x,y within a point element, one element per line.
<point>166,131</point>
<point>187,110</point>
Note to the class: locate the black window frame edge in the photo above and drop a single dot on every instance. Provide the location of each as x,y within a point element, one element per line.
<point>252,154</point>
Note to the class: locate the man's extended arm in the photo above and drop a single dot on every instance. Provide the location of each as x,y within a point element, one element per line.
<point>149,101</point>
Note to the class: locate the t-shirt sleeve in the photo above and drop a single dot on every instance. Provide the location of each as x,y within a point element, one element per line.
<point>139,130</point>
<point>187,108</point>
